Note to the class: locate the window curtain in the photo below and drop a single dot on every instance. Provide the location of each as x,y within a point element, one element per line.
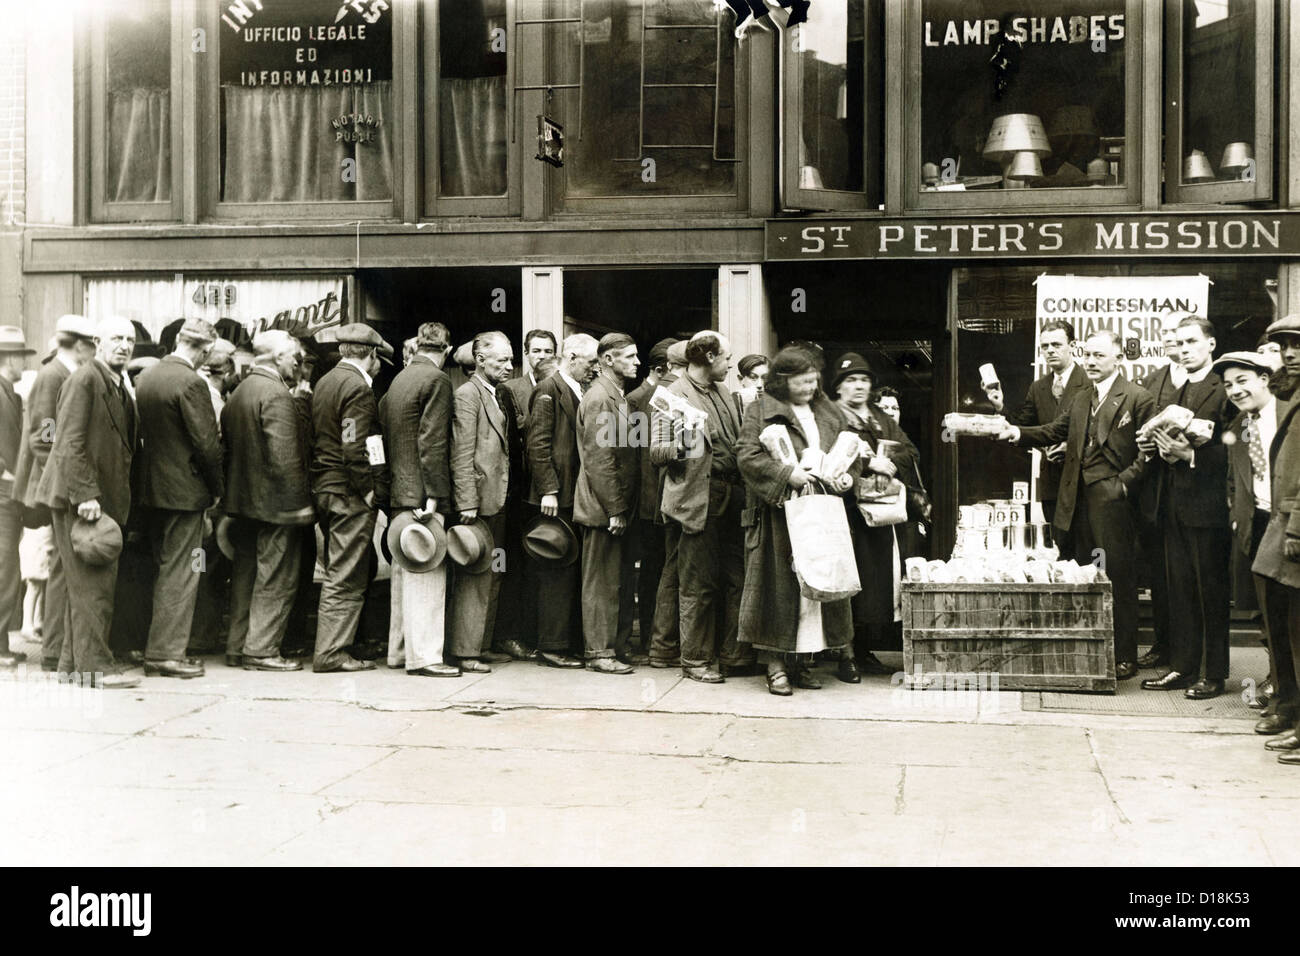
<point>473,136</point>
<point>139,146</point>
<point>281,146</point>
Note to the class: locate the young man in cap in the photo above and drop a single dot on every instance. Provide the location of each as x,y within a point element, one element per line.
<point>553,465</point>
<point>13,357</point>
<point>480,478</point>
<point>1278,557</point>
<point>1184,497</point>
<point>349,479</point>
<point>88,475</point>
<point>181,476</point>
<point>267,490</point>
<point>604,503</point>
<point>74,346</point>
<point>416,420</point>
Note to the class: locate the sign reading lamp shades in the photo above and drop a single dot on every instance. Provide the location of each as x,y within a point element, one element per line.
<point>1017,141</point>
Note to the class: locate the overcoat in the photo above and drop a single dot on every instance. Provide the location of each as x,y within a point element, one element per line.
<point>38,432</point>
<point>344,415</point>
<point>769,606</point>
<point>607,480</point>
<point>1284,521</point>
<point>415,415</point>
<point>266,470</point>
<point>180,458</point>
<point>552,442</point>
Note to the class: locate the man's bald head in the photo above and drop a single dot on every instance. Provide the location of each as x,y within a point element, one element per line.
<point>114,341</point>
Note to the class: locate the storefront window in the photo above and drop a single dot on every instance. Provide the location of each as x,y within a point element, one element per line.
<point>472,99</point>
<point>651,108</point>
<point>1023,96</point>
<point>306,101</point>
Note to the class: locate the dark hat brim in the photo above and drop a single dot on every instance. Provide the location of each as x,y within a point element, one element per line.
<point>540,536</point>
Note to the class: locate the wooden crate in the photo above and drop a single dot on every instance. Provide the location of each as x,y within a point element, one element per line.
<point>1032,636</point>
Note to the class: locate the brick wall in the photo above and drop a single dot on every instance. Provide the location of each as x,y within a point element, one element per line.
<point>12,127</point>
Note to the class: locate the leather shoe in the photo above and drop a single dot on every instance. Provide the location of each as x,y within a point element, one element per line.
<point>608,665</point>
<point>471,665</point>
<point>704,674</point>
<point>805,679</point>
<point>1171,681</point>
<point>117,681</point>
<point>11,658</point>
<point>848,671</point>
<point>276,663</point>
<point>1291,758</point>
<point>494,657</point>
<point>1273,724</point>
<point>348,663</point>
<point>1289,742</point>
<point>634,658</point>
<point>663,664</point>
<point>1156,657</point>
<point>551,659</point>
<point>1126,670</point>
<point>518,651</point>
<point>869,663</point>
<point>779,684</point>
<point>182,669</point>
<point>1263,695</point>
<point>234,660</point>
<point>435,670</point>
<point>1205,689</point>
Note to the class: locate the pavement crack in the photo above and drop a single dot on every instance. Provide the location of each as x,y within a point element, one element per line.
<point>1096,762</point>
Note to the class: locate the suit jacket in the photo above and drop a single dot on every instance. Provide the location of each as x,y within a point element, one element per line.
<point>180,456</point>
<point>688,497</point>
<point>1284,519</point>
<point>521,391</point>
<point>607,480</point>
<point>38,431</point>
<point>480,450</point>
<point>1196,495</point>
<point>552,442</point>
<point>1241,482</point>
<point>343,415</point>
<point>1126,408</point>
<point>648,490</point>
<point>266,468</point>
<point>11,427</point>
<point>94,446</point>
<point>416,419</point>
<point>1041,407</point>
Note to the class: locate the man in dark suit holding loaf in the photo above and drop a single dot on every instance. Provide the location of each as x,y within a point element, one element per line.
<point>1100,477</point>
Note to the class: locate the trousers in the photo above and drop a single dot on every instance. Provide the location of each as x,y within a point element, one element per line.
<point>474,601</point>
<point>56,609</point>
<point>557,595</point>
<point>417,627</point>
<point>711,579</point>
<point>1196,566</point>
<point>262,586</point>
<point>648,543</point>
<point>1104,521</point>
<point>608,596</point>
<point>175,537</point>
<point>665,636</point>
<point>11,577</point>
<point>88,612</point>
<point>348,524</point>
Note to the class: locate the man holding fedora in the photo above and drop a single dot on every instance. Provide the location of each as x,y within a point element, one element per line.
<point>74,346</point>
<point>480,476</point>
<point>554,465</point>
<point>267,492</point>
<point>181,476</point>
<point>604,503</point>
<point>349,479</point>
<point>87,486</point>
<point>416,420</point>
<point>13,357</point>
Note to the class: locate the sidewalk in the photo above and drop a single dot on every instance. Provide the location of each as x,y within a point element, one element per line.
<point>538,765</point>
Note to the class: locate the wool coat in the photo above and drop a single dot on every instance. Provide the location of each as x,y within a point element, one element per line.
<point>38,433</point>
<point>1284,521</point>
<point>769,606</point>
<point>415,415</point>
<point>180,459</point>
<point>266,469</point>
<point>607,480</point>
<point>552,442</point>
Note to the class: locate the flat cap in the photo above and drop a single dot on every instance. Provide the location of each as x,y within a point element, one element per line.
<point>221,353</point>
<point>77,325</point>
<point>1287,325</point>
<point>358,333</point>
<point>677,353</point>
<point>659,352</point>
<point>1259,361</point>
<point>197,329</point>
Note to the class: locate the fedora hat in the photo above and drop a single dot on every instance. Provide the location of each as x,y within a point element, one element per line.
<point>470,546</point>
<point>229,532</point>
<point>416,544</point>
<point>96,542</point>
<point>551,540</point>
<point>12,341</point>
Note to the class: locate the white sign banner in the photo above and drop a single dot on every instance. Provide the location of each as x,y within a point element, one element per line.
<point>302,305</point>
<point>1135,307</point>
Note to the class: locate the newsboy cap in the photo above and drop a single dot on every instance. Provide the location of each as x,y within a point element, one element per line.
<point>358,333</point>
<point>222,352</point>
<point>677,353</point>
<point>77,325</point>
<point>1287,325</point>
<point>197,330</point>
<point>1258,361</point>
<point>96,542</point>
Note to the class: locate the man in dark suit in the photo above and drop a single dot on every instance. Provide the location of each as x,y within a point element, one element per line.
<point>349,480</point>
<point>267,492</point>
<point>480,478</point>
<point>1043,402</point>
<point>13,356</point>
<point>88,475</point>
<point>1188,502</point>
<point>1100,478</point>
<point>181,476</point>
<point>646,536</point>
<point>539,345</point>
<point>604,503</point>
<point>74,346</point>
<point>1248,437</point>
<point>554,465</point>
<point>416,419</point>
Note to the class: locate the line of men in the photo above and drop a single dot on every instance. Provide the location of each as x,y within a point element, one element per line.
<point>1189,507</point>
<point>467,463</point>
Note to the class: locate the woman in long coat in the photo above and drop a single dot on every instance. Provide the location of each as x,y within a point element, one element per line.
<point>772,606</point>
<point>875,548</point>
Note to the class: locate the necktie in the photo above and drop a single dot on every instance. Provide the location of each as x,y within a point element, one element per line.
<point>1096,400</point>
<point>1250,432</point>
<point>1057,388</point>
